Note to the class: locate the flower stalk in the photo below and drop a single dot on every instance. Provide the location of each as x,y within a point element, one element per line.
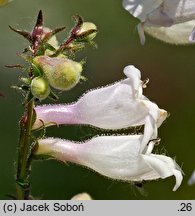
<point>24,148</point>
<point>23,170</point>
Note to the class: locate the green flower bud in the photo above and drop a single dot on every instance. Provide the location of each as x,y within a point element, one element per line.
<point>62,73</point>
<point>40,88</point>
<point>4,2</point>
<point>87,31</point>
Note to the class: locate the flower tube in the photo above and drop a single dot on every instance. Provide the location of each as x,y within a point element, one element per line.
<point>117,106</point>
<point>117,157</point>
<point>171,21</point>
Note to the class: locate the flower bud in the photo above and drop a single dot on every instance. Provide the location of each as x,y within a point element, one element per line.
<point>87,31</point>
<point>53,40</point>
<point>4,2</point>
<point>40,88</point>
<point>62,73</point>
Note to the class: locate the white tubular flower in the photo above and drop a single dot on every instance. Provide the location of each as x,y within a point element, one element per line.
<point>171,21</point>
<point>181,33</point>
<point>191,180</point>
<point>116,106</point>
<point>117,157</point>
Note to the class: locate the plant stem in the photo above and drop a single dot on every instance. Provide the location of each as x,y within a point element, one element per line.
<point>23,170</point>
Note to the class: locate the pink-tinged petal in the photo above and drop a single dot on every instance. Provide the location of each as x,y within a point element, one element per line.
<point>55,115</point>
<point>116,106</point>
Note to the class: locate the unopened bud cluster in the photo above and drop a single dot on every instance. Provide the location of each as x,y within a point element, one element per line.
<point>51,63</point>
<point>87,31</point>
<point>61,73</point>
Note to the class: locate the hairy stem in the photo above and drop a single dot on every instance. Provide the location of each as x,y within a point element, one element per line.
<point>24,149</point>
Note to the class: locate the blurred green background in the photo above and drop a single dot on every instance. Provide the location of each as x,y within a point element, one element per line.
<point>171,70</point>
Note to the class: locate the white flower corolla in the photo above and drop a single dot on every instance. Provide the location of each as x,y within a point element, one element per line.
<point>169,20</point>
<point>117,157</point>
<point>191,180</point>
<point>116,106</point>
<point>181,33</point>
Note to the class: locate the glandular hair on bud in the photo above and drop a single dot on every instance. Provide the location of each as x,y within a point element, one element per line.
<point>62,73</point>
<point>40,88</point>
<point>84,29</point>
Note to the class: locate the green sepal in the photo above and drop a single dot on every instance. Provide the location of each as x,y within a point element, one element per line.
<point>35,70</point>
<point>53,96</point>
<point>43,47</point>
<point>41,135</point>
<point>21,88</point>
<point>83,37</point>
<point>22,184</point>
<point>40,50</point>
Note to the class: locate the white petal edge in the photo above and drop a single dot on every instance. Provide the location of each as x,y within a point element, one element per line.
<point>165,167</point>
